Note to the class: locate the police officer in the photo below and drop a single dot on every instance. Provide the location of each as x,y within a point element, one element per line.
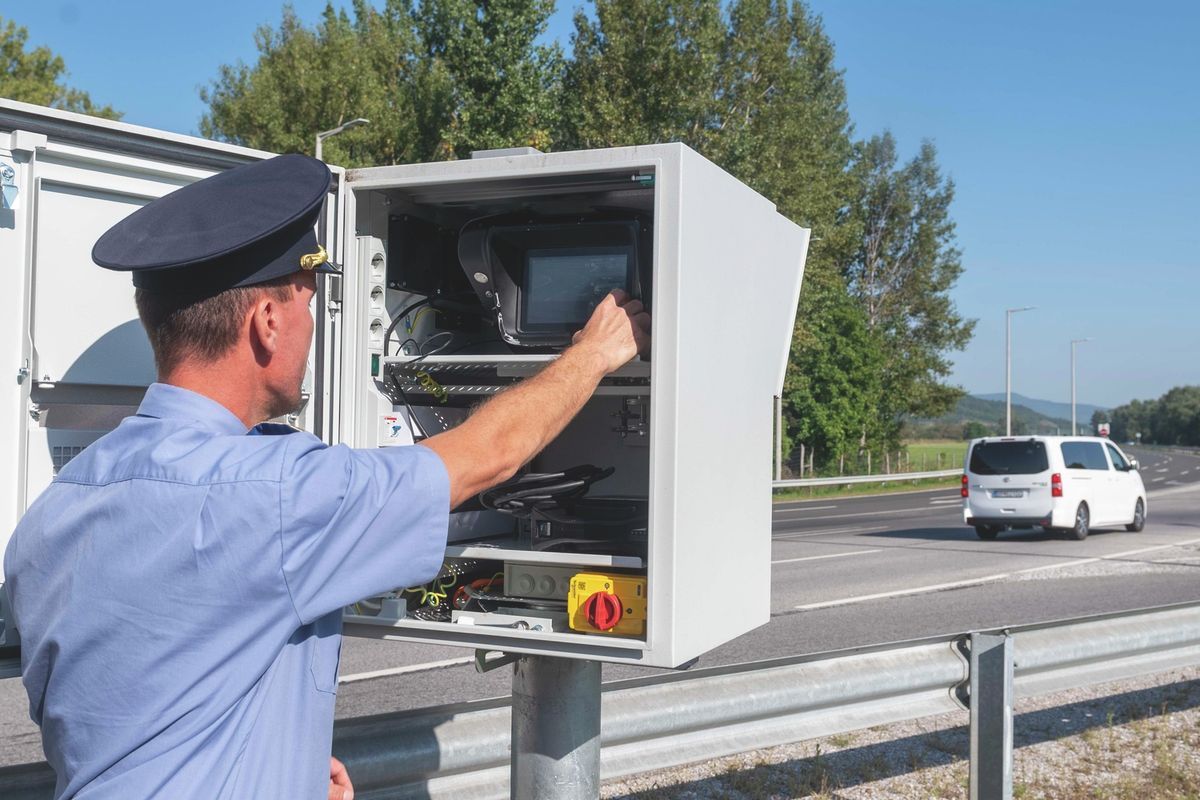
<point>178,588</point>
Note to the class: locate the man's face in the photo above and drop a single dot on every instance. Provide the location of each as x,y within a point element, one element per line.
<point>286,373</point>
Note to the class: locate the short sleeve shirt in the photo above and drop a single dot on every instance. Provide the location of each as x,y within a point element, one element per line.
<point>178,592</point>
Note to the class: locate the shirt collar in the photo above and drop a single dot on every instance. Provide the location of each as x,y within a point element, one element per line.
<point>165,401</point>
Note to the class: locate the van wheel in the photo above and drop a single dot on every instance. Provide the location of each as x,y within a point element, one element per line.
<point>987,532</point>
<point>1139,517</point>
<point>1082,521</point>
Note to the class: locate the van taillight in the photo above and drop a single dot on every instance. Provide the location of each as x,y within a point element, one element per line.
<point>965,491</point>
<point>1056,485</point>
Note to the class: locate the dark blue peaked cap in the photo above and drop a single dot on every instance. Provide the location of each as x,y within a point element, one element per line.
<point>240,227</point>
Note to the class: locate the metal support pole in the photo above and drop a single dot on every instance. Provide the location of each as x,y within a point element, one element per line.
<point>555,729</point>
<point>991,716</point>
<point>778,402</point>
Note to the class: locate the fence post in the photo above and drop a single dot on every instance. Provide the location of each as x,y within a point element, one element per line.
<point>991,716</point>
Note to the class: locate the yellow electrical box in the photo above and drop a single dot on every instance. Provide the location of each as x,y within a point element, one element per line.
<point>611,604</point>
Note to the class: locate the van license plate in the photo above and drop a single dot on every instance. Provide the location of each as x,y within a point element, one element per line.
<point>1008,493</point>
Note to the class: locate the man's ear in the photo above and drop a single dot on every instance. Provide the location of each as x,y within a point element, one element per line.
<point>264,324</point>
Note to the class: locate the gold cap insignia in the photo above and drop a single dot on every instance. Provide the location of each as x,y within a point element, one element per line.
<point>311,261</point>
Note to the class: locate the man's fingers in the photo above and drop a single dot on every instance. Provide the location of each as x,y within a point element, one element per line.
<point>642,321</point>
<point>620,296</point>
<point>633,307</point>
<point>340,787</point>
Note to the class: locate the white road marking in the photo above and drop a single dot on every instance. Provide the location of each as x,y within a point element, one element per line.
<point>901,592</point>
<point>828,532</point>
<point>987,578</point>
<point>384,673</point>
<point>950,501</point>
<point>1164,469</point>
<point>831,555</point>
<point>803,508</point>
<point>1108,557</point>
<point>1156,480</point>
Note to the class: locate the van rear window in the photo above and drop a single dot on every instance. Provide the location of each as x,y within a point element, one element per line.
<point>1009,458</point>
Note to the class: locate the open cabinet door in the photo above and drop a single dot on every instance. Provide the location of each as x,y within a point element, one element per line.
<point>322,413</point>
<point>80,360</point>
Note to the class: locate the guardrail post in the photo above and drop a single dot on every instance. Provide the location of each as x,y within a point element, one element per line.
<point>555,729</point>
<point>991,716</point>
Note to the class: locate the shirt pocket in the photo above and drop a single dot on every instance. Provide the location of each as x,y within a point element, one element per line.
<point>326,653</point>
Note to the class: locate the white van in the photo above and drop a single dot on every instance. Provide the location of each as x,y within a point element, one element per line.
<point>1067,483</point>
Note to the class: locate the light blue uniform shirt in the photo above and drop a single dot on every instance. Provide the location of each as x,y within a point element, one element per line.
<point>178,590</point>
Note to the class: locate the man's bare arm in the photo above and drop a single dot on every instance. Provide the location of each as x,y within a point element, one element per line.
<point>511,428</point>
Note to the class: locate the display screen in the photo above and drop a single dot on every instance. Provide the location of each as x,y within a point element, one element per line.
<point>563,285</point>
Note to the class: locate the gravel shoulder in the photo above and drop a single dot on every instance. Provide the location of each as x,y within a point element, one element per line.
<point>1126,740</point>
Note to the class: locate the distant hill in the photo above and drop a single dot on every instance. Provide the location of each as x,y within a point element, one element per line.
<point>1049,408</point>
<point>990,413</point>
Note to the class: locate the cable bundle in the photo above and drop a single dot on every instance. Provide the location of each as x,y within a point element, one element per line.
<point>543,491</point>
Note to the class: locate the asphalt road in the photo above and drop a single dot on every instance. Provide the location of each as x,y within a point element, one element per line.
<point>847,572</point>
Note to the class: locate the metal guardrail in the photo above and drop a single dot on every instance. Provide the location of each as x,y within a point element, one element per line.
<point>842,480</point>
<point>462,751</point>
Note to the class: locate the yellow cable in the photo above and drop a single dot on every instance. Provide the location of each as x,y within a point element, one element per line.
<point>417,318</point>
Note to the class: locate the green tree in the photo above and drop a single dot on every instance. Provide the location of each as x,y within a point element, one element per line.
<point>1132,421</point>
<point>974,429</point>
<point>1177,417</point>
<point>436,81</point>
<point>783,128</point>
<point>644,71</point>
<point>36,76</point>
<point>902,271</point>
<point>502,84</point>
<point>1173,418</point>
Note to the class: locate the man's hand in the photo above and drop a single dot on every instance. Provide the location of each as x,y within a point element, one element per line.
<point>340,787</point>
<point>514,426</point>
<point>618,330</point>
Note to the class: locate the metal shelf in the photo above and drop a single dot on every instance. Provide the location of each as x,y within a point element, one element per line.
<point>481,375</point>
<point>497,553</point>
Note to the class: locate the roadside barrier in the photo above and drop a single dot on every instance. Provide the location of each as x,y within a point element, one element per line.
<point>843,480</point>
<point>462,751</point>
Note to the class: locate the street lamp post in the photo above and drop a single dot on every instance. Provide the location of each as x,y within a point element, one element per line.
<point>1074,430</point>
<point>323,135</point>
<point>1008,312</point>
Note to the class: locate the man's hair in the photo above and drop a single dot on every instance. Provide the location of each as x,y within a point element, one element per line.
<point>184,325</point>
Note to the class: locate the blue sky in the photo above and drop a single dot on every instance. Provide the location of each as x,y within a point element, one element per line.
<point>1071,129</point>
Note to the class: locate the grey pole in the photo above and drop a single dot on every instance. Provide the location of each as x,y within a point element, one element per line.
<point>778,438</point>
<point>1074,428</point>
<point>323,135</point>
<point>1008,312</point>
<point>555,729</point>
<point>991,716</point>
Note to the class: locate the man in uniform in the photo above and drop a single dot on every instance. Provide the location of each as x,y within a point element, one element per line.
<point>178,588</point>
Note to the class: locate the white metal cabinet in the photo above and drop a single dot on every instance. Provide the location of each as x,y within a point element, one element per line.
<point>726,277</point>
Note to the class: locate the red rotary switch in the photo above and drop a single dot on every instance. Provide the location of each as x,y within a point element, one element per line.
<point>603,610</point>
